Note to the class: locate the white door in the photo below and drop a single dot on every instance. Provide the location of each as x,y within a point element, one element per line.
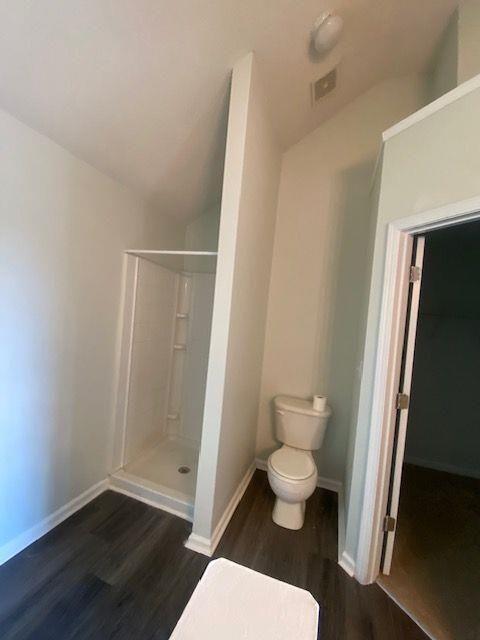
<point>402,403</point>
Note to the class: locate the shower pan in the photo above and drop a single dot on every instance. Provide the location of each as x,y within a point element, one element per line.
<point>168,302</point>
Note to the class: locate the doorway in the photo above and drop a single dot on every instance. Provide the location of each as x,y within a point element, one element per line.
<point>431,558</point>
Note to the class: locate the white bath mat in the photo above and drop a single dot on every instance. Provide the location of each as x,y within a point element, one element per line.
<point>235,603</point>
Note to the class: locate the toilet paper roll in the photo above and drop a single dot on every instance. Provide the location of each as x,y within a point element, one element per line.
<point>319,403</point>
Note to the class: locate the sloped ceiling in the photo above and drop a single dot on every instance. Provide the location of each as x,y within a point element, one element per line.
<point>139,88</point>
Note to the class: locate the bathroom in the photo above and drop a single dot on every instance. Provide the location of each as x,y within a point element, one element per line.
<point>245,369</point>
<point>266,336</point>
<point>168,301</point>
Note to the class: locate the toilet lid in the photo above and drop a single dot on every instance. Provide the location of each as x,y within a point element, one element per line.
<point>292,463</point>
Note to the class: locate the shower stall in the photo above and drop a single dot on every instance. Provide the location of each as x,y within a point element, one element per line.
<point>168,302</point>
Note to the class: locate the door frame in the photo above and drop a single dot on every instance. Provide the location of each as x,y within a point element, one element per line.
<point>407,338</point>
<point>387,371</point>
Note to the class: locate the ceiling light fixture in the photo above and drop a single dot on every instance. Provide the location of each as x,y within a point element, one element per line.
<point>326,31</point>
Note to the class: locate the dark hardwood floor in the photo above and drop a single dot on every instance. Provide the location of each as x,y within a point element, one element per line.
<point>118,569</point>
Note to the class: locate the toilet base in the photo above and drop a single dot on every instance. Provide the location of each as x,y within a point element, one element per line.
<point>290,515</point>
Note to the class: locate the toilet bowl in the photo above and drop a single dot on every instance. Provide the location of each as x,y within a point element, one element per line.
<point>292,475</point>
<point>292,472</point>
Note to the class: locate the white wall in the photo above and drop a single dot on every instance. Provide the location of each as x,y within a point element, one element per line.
<point>422,169</point>
<point>458,56</point>
<point>445,65</point>
<point>64,227</point>
<point>320,262</point>
<point>468,40</point>
<point>252,167</point>
<point>202,232</point>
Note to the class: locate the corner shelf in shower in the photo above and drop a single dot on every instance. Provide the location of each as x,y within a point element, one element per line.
<point>181,261</point>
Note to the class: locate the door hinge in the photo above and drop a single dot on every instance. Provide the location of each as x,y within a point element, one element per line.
<point>402,401</point>
<point>389,524</point>
<point>415,273</point>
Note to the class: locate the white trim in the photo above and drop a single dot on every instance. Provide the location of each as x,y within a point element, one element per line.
<point>444,216</point>
<point>150,493</point>
<point>23,540</point>
<point>341,523</point>
<point>347,563</point>
<point>208,546</point>
<point>322,483</point>
<point>443,101</point>
<point>168,252</point>
<point>329,484</point>
<point>386,383</point>
<point>112,437</point>
<point>199,544</point>
<point>378,467</point>
<point>231,506</point>
<point>261,464</point>
<point>131,336</point>
<point>344,559</point>
<point>443,466</point>
<point>405,354</point>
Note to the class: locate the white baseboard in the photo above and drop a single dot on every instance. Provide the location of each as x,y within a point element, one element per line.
<point>149,493</point>
<point>261,464</point>
<point>344,559</point>
<point>347,563</point>
<point>26,538</point>
<point>207,546</point>
<point>341,524</point>
<point>441,466</point>
<point>329,484</point>
<point>199,544</point>
<point>323,483</point>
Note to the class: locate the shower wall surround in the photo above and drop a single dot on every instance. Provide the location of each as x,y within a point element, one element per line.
<point>171,337</point>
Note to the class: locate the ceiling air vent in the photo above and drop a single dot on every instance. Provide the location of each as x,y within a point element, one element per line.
<point>324,85</point>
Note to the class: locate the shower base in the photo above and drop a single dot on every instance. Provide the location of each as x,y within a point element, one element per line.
<point>163,476</point>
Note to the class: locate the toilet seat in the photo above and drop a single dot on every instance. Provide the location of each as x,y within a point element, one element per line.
<point>292,464</point>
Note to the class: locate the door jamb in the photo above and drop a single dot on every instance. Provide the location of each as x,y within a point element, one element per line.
<point>387,368</point>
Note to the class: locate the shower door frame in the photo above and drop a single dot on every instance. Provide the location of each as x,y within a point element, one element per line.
<point>124,360</point>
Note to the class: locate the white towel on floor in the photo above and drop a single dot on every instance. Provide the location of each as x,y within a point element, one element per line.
<point>235,603</point>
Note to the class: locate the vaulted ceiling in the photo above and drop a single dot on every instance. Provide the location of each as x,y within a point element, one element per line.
<point>139,88</point>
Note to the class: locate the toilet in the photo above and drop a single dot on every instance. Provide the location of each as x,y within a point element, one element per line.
<point>292,472</point>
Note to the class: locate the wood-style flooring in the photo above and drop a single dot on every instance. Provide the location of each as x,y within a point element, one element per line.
<point>118,569</point>
<point>436,560</point>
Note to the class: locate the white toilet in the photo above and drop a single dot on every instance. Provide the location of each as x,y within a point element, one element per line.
<point>292,472</point>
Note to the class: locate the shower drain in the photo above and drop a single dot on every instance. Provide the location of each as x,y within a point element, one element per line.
<point>183,469</point>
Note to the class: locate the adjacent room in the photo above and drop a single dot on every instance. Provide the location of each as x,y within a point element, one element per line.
<point>212,219</point>
<point>436,562</point>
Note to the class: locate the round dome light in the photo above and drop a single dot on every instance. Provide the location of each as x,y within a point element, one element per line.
<point>326,31</point>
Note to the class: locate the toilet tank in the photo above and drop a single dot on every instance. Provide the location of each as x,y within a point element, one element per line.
<point>298,425</point>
